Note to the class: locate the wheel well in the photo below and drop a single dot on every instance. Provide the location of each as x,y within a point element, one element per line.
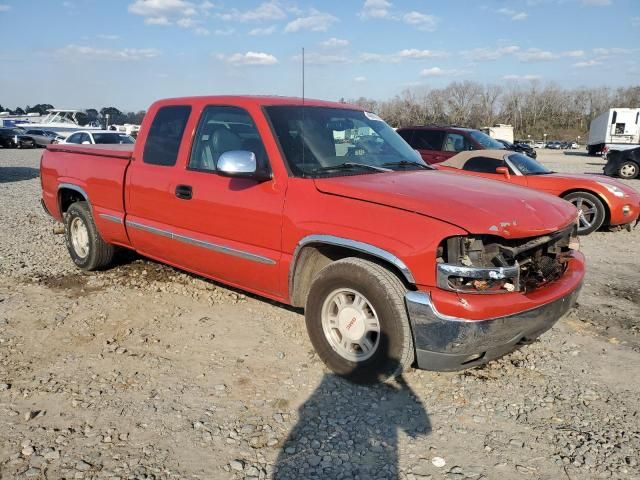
<point>67,196</point>
<point>313,258</point>
<point>607,212</point>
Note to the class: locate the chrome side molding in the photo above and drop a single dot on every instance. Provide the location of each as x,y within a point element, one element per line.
<point>201,243</point>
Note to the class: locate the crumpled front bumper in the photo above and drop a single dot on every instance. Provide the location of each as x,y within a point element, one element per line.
<point>445,343</point>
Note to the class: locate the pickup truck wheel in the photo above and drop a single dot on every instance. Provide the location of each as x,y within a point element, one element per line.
<point>590,209</point>
<point>628,170</point>
<point>357,321</point>
<point>87,248</point>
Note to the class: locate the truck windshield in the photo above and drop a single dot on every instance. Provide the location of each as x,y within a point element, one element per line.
<point>321,141</point>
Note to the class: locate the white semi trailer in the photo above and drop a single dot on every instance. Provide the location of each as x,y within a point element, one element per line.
<point>500,131</point>
<point>615,129</point>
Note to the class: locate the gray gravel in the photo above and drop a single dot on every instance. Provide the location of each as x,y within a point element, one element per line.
<point>145,372</point>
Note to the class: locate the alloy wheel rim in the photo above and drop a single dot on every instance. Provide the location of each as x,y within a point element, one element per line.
<point>350,324</point>
<point>587,213</point>
<point>79,237</point>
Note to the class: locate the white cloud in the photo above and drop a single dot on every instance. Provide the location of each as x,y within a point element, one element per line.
<point>162,8</point>
<point>360,79</point>
<point>414,53</point>
<point>91,53</point>
<point>266,11</point>
<point>334,42</point>
<point>201,31</point>
<point>587,64</point>
<point>314,58</point>
<point>514,15</point>
<point>224,32</point>
<point>263,30</point>
<point>187,23</point>
<point>397,57</point>
<point>608,52</point>
<point>439,72</point>
<point>574,53</point>
<point>163,21</point>
<point>536,55</point>
<point>421,21</point>
<point>4,7</point>
<point>316,21</point>
<point>596,3</point>
<point>481,54</point>
<point>249,59</point>
<point>522,77</point>
<point>375,9</point>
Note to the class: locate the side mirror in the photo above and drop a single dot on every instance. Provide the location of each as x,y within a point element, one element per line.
<point>504,171</point>
<point>239,163</point>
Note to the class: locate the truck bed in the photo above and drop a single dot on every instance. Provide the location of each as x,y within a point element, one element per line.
<point>115,151</point>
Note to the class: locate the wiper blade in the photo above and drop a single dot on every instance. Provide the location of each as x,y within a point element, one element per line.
<point>407,162</point>
<point>350,166</point>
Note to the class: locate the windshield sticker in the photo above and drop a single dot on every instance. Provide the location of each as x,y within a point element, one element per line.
<point>373,116</point>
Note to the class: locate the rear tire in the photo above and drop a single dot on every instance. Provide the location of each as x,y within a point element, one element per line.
<point>86,247</point>
<point>354,302</point>
<point>591,209</point>
<point>629,170</point>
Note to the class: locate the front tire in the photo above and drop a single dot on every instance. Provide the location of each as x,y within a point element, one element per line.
<point>357,321</point>
<point>629,170</point>
<point>86,247</point>
<point>591,210</point>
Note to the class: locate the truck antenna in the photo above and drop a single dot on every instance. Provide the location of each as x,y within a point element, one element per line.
<point>302,126</point>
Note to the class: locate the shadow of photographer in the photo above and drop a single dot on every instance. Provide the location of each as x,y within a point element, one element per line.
<point>346,430</point>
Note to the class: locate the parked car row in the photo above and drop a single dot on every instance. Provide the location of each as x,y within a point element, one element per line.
<point>15,138</point>
<point>445,255</point>
<point>555,145</point>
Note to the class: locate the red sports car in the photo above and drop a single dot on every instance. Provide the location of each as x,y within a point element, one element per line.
<point>601,201</point>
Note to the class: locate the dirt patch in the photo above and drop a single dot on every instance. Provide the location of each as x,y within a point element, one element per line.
<point>74,285</point>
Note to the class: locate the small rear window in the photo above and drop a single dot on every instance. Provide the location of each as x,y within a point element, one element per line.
<point>165,135</point>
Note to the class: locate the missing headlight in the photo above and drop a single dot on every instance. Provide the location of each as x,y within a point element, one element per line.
<point>490,264</point>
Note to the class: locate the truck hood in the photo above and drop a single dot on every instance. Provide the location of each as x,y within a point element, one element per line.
<point>474,204</point>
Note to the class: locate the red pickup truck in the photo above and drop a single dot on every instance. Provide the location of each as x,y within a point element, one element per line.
<point>322,205</point>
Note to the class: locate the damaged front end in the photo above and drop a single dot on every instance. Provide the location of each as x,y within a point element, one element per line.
<point>489,264</point>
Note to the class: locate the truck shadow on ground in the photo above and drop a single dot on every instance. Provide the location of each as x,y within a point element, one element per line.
<point>346,430</point>
<point>17,174</point>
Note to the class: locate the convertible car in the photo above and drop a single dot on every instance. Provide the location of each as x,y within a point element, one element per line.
<point>601,201</point>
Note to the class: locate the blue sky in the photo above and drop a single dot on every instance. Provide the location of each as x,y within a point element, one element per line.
<point>127,53</point>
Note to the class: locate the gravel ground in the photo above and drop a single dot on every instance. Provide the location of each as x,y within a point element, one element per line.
<point>145,372</point>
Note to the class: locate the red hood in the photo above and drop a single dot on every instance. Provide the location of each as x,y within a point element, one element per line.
<point>477,205</point>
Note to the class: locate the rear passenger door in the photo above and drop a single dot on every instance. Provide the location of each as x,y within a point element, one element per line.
<point>429,144</point>
<point>455,143</point>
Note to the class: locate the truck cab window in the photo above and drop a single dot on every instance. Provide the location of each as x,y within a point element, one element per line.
<point>165,135</point>
<point>223,129</point>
